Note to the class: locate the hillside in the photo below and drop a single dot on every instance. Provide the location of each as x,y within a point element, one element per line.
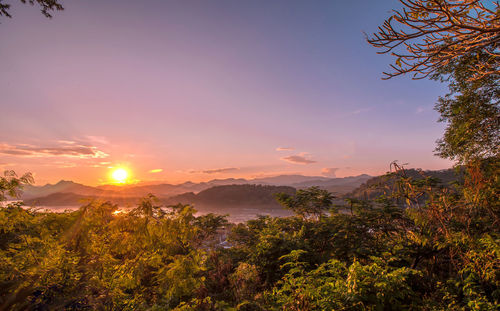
<point>216,193</point>
<point>228,195</point>
<point>31,191</point>
<point>335,185</point>
<point>233,195</point>
<point>375,186</point>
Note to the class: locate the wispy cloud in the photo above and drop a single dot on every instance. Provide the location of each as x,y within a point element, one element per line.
<point>422,109</point>
<point>63,165</point>
<point>63,149</point>
<point>330,171</point>
<point>156,170</point>
<point>215,170</point>
<point>67,142</point>
<point>97,139</point>
<point>361,110</point>
<point>284,149</point>
<point>301,158</point>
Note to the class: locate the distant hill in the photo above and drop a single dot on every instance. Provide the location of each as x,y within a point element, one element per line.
<point>67,193</point>
<point>335,185</point>
<point>31,191</point>
<point>229,195</point>
<point>288,179</point>
<point>234,195</point>
<point>373,187</point>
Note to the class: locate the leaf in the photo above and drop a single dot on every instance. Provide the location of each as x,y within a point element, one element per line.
<point>398,61</point>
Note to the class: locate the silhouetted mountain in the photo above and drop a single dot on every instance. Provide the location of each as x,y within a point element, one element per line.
<point>286,179</point>
<point>234,195</point>
<point>231,195</point>
<point>336,185</point>
<point>66,193</point>
<point>31,191</point>
<point>226,181</point>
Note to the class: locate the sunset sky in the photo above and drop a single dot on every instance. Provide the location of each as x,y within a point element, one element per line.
<point>197,90</point>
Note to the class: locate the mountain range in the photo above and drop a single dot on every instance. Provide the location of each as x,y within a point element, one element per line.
<point>221,192</point>
<point>69,193</point>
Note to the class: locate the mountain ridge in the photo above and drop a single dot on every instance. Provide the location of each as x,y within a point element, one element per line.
<point>340,185</point>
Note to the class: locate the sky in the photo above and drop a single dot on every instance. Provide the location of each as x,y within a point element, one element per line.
<point>198,90</point>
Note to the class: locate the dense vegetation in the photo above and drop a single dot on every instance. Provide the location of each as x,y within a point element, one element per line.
<point>421,245</point>
<point>439,255</point>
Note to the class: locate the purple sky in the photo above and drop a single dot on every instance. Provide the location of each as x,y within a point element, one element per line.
<point>197,90</point>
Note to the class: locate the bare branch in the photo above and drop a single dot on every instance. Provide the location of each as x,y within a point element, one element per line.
<point>428,34</point>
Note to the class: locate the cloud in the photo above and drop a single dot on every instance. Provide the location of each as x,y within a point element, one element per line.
<point>98,139</point>
<point>422,109</point>
<point>156,170</point>
<point>298,159</point>
<point>329,171</point>
<point>66,142</point>
<point>66,165</point>
<point>215,171</point>
<point>284,149</point>
<point>64,149</point>
<point>361,110</point>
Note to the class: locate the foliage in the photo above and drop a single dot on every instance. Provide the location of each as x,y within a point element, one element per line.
<point>420,245</point>
<point>471,111</point>
<point>311,202</point>
<point>95,258</point>
<point>11,185</point>
<point>435,254</point>
<point>335,286</point>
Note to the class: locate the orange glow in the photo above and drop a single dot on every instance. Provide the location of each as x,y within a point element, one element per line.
<point>120,175</point>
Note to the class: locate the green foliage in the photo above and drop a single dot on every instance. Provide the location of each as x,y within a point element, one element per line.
<point>333,286</point>
<point>421,247</point>
<point>311,202</point>
<point>415,243</point>
<point>245,281</point>
<point>96,259</point>
<point>471,111</point>
<point>11,185</point>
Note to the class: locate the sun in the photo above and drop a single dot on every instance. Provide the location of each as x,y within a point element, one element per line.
<point>120,175</point>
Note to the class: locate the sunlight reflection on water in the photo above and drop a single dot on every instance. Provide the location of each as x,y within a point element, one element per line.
<point>236,214</point>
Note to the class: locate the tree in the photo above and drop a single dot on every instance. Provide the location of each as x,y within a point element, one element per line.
<point>11,185</point>
<point>48,6</point>
<point>426,35</point>
<point>455,42</point>
<point>312,201</point>
<point>471,111</point>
